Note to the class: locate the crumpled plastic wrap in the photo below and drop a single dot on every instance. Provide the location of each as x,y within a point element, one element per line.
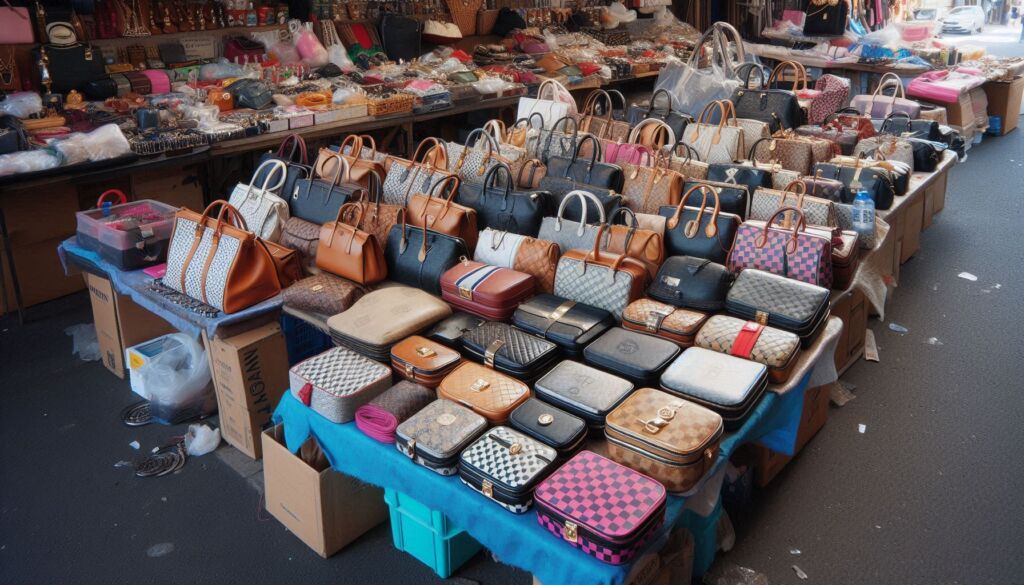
<point>22,104</point>
<point>29,161</point>
<point>103,143</point>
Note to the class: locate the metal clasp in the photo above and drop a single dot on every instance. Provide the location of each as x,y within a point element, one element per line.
<point>492,350</point>
<point>761,317</point>
<point>480,385</point>
<point>570,531</point>
<point>410,371</point>
<point>425,352</point>
<point>466,293</point>
<point>487,488</point>
<point>410,448</point>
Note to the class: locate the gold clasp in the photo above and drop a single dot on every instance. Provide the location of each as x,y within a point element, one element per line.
<point>761,317</point>
<point>425,352</point>
<point>569,531</point>
<point>466,293</point>
<point>480,385</point>
<point>487,488</point>
<point>515,449</point>
<point>492,350</point>
<point>410,371</point>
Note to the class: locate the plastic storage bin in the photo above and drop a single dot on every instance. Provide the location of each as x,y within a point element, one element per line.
<point>302,339</point>
<point>128,235</point>
<point>428,535</point>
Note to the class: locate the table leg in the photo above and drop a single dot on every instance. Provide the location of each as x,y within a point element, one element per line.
<point>14,272</point>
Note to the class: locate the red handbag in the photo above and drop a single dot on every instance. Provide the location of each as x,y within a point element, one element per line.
<point>795,252</point>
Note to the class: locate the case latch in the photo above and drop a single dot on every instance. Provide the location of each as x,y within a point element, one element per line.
<point>425,352</point>
<point>410,372</point>
<point>410,448</point>
<point>466,293</point>
<point>569,531</point>
<point>492,350</point>
<point>487,488</point>
<point>761,317</point>
<point>480,385</point>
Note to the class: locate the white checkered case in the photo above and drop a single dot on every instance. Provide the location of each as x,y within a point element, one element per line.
<point>337,382</point>
<point>505,465</point>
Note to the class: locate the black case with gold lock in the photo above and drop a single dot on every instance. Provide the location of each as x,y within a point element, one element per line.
<point>563,432</point>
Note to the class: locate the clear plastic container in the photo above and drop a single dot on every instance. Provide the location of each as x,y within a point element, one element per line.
<point>128,235</point>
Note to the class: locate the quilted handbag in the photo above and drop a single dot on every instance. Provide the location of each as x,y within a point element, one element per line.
<point>630,240</point>
<point>469,162</point>
<point>443,215</point>
<point>292,152</point>
<point>384,317</point>
<point>492,292</point>
<point>318,200</point>
<point>794,253</point>
<point>775,348</point>
<point>510,350</point>
<point>725,384</point>
<point>779,108</point>
<point>604,127</point>
<point>664,437</point>
<point>826,18</point>
<point>218,261</point>
<point>337,382</point>
<point>423,361</point>
<point>646,189</point>
<point>816,211</point>
<point>322,294</point>
<point>699,231</point>
<point>553,102</point>
<point>350,252</point>
<point>878,105</point>
<point>538,258</point>
<point>505,466</point>
<point>435,436</point>
<point>568,324</point>
<point>721,143</point>
<point>261,207</point>
<point>502,207</point>
<point>565,433</point>
<point>833,93</point>
<point>418,257</point>
<point>487,392</point>
<point>569,234</point>
<point>379,418</point>
<point>695,283</point>
<point>606,281</point>
<point>663,320</point>
<point>587,172</point>
<point>780,302</point>
<point>663,110</point>
<point>404,177</point>
<point>600,507</point>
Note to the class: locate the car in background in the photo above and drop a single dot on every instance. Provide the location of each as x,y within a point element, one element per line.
<point>926,14</point>
<point>964,19</point>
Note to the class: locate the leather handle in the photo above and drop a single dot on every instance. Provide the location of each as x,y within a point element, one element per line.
<point>531,164</point>
<point>357,145</point>
<point>435,146</point>
<point>663,128</point>
<point>343,170</point>
<point>492,177</point>
<point>298,145</point>
<point>583,197</point>
<point>363,139</point>
<point>800,225</point>
<point>594,154</point>
<point>690,230</point>
<point>798,73</point>
<point>497,129</point>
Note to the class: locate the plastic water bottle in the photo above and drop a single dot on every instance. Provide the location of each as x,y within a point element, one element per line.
<point>864,215</point>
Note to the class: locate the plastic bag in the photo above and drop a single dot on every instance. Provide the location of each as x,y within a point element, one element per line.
<point>28,161</point>
<point>22,104</point>
<point>201,440</point>
<point>694,88</point>
<point>84,342</point>
<point>177,381</point>
<point>309,47</point>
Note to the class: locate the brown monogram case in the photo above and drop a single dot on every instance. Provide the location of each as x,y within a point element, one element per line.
<point>772,347</point>
<point>663,320</point>
<point>323,294</point>
<point>423,361</point>
<point>491,394</point>
<point>663,436</point>
<point>434,436</point>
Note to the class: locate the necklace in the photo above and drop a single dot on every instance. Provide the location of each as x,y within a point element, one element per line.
<point>133,20</point>
<point>8,71</point>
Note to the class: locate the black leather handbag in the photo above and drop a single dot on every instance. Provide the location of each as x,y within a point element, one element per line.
<point>779,108</point>
<point>451,329</point>
<point>927,154</point>
<point>751,177</point>
<point>560,188</point>
<point>400,36</point>
<point>73,67</point>
<point>100,89</point>
<point>251,93</point>
<point>695,283</point>
<point>292,152</point>
<point>733,198</point>
<point>901,124</point>
<point>503,208</point>
<point>825,18</point>
<point>318,200</point>
<point>877,182</point>
<point>568,324</point>
<point>510,351</point>
<point>565,433</point>
<point>677,121</point>
<point>591,172</point>
<point>699,231</point>
<point>637,357</point>
<point>418,256</point>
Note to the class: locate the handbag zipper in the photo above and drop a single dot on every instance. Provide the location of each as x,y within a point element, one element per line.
<point>694,456</point>
<point>704,454</point>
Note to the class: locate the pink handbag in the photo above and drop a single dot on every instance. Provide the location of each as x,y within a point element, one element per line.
<point>15,26</point>
<point>943,86</point>
<point>834,91</point>
<point>877,105</point>
<point>791,252</point>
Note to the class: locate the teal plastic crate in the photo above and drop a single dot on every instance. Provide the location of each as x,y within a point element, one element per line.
<point>428,535</point>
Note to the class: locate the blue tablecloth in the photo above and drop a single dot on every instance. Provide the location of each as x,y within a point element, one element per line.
<point>515,539</point>
<point>134,284</point>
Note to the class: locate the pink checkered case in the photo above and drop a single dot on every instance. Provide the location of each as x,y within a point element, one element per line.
<point>605,509</point>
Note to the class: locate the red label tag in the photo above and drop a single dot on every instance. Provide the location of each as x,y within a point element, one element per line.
<point>305,393</point>
<point>746,339</point>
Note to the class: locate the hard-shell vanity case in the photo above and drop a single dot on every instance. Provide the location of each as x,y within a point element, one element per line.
<point>337,382</point>
<point>636,357</point>
<point>450,330</point>
<point>491,394</point>
<point>510,350</point>
<point>128,235</point>
<point>434,436</point>
<point>384,317</point>
<point>750,340</point>
<point>570,325</point>
<point>487,291</point>
<point>695,283</point>
<point>726,384</point>
<point>663,436</point>
<point>423,361</point>
<point>505,466</point>
<point>663,320</point>
<point>606,510</point>
<point>781,302</point>
<point>582,390</point>
<point>563,432</point>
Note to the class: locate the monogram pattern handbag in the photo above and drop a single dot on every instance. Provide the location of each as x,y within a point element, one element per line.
<point>434,436</point>
<point>322,294</point>
<point>558,141</point>
<point>699,231</point>
<point>261,207</point>
<point>647,189</point>
<point>689,164</point>
<point>663,320</point>
<point>715,143</point>
<point>568,234</point>
<point>404,177</point>
<point>379,418</point>
<point>794,253</point>
<point>377,217</point>
<point>604,127</point>
<point>303,237</point>
<point>753,129</point>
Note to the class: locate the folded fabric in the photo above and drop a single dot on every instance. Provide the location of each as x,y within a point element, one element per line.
<point>379,418</point>
<point>944,86</point>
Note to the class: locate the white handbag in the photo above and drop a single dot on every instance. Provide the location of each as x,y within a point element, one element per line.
<point>553,102</point>
<point>497,248</point>
<point>715,143</point>
<point>569,235</point>
<point>264,212</point>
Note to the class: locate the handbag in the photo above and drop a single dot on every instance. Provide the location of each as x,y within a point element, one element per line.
<point>886,147</point>
<point>400,36</point>
<point>497,248</point>
<point>507,476</point>
<point>689,166</point>
<point>695,283</point>
<point>826,18</point>
<point>630,240</point>
<point>900,124</point>
<point>603,280</point>
<point>538,258</point>
<point>734,198</point>
<point>378,218</point>
<point>218,261</point>
<point>553,102</point>
<point>296,160</point>
<point>443,215</point>
<point>794,253</point>
<point>877,182</point>
<point>878,105</point>
<point>337,382</point>
<point>792,152</point>
<point>71,67</point>
<point>834,91</point>
<point>318,200</point>
<point>693,88</point>
<point>593,172</point>
<point>639,112</point>
<point>251,93</point>
<point>852,119</point>
<point>818,186</point>
<point>719,143</point>
<point>379,418</point>
<point>555,142</point>
<point>647,189</point>
<point>322,294</point>
<point>405,177</point>
<point>418,257</point>
<point>845,139</point>
<point>604,127</point>
<point>530,174</point>
<point>927,154</point>
<point>349,252</point>
<point>779,108</point>
<point>469,162</point>
<point>260,207</point>
<point>816,211</point>
<point>360,164</point>
<point>571,234</point>
<point>516,211</point>
<point>652,133</point>
<point>753,130</point>
<point>303,237</point>
<point>701,232</point>
<point>751,177</point>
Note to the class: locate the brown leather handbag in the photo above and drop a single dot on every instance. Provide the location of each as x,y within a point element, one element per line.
<point>244,273</point>
<point>648,188</point>
<point>350,252</point>
<point>487,392</point>
<point>443,215</point>
<point>287,263</point>
<point>644,245</point>
<point>530,174</point>
<point>378,217</point>
<point>538,258</point>
<point>303,237</point>
<point>323,294</point>
<point>423,361</point>
<point>360,163</point>
<point>602,126</point>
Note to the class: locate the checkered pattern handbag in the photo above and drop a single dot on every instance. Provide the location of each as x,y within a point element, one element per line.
<point>337,382</point>
<point>605,509</point>
<point>505,466</point>
<point>794,253</point>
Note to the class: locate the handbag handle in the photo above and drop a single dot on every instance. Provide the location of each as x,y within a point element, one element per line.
<point>547,84</point>
<point>360,211</point>
<point>654,97</point>
<point>595,254</point>
<point>436,147</point>
<point>403,243</point>
<point>298,145</point>
<point>363,139</point>
<point>496,128</point>
<point>691,152</point>
<point>801,224</point>
<point>343,170</point>
<point>583,196</point>
<point>121,197</point>
<point>532,164</point>
<point>753,149</point>
<point>551,134</point>
<point>356,146</point>
<point>227,211</point>
<point>277,166</point>
<point>748,69</point>
<point>702,121</point>
<point>375,190</point>
<point>590,111</point>
<point>663,129</point>
<point>490,180</point>
<point>595,152</point>
<point>885,123</point>
<point>614,93</point>
<point>799,74</point>
<point>690,230</point>
<point>631,224</point>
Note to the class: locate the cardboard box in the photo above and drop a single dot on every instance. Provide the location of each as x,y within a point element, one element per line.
<point>912,226</point>
<point>1004,99</point>
<point>852,308</point>
<point>959,113</point>
<point>120,323</point>
<point>250,373</point>
<point>325,509</point>
<point>768,463</point>
<point>672,564</point>
<point>934,199</point>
